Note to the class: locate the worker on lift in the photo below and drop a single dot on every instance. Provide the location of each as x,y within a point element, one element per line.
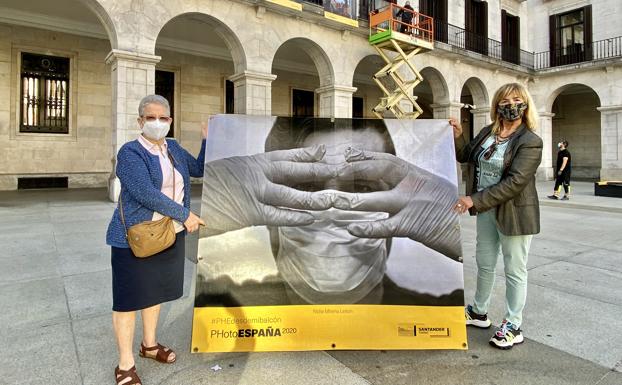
<point>407,13</point>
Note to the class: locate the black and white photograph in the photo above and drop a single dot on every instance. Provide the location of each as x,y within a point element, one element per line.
<point>329,211</point>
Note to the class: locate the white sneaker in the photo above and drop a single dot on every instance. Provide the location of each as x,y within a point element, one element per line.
<point>507,336</point>
<point>477,320</point>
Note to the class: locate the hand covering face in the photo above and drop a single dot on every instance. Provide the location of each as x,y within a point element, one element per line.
<point>419,202</point>
<point>252,190</point>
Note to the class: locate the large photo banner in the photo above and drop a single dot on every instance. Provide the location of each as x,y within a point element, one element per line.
<point>328,234</point>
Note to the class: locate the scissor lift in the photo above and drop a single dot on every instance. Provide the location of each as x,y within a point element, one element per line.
<point>397,49</point>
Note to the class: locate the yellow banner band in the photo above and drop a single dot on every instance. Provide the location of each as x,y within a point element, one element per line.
<point>327,327</point>
<point>341,19</point>
<point>288,4</point>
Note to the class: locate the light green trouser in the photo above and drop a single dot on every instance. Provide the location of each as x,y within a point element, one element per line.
<point>490,241</point>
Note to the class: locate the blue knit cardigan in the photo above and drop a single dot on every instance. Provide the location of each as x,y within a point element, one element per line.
<point>141,183</point>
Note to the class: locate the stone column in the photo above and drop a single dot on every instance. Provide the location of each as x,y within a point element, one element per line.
<point>252,93</point>
<point>611,142</point>
<point>133,77</point>
<point>481,118</point>
<point>545,130</point>
<point>335,101</point>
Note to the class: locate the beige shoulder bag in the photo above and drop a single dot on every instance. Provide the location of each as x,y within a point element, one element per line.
<point>150,237</point>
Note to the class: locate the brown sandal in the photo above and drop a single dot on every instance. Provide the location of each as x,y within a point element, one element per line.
<point>162,354</point>
<point>123,375</point>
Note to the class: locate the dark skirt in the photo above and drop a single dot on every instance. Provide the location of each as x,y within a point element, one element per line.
<point>139,283</point>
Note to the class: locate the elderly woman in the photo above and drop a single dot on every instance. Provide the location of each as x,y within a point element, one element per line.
<point>155,182</point>
<point>501,190</point>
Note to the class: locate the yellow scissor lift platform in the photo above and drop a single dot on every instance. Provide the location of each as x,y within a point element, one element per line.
<point>397,49</point>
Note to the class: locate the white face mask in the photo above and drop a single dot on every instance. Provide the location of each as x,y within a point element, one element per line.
<point>324,257</point>
<point>156,129</point>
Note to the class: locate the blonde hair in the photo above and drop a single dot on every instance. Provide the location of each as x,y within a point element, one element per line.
<point>530,116</point>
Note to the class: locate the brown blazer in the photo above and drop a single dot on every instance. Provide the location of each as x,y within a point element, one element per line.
<point>515,197</point>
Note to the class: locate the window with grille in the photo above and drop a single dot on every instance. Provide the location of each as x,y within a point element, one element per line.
<point>44,94</point>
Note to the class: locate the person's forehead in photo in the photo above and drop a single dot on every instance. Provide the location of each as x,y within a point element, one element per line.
<point>338,135</point>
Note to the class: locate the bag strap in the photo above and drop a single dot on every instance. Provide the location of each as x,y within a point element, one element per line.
<point>121,211</point>
<point>172,159</point>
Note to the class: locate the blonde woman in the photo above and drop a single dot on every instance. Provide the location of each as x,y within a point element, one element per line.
<point>500,189</point>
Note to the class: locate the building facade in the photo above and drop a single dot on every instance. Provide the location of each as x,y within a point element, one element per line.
<point>73,71</point>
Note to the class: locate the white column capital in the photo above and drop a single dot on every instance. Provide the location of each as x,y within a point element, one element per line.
<point>251,75</point>
<point>446,105</point>
<point>118,54</point>
<point>336,88</point>
<point>480,111</point>
<point>446,110</point>
<point>252,92</point>
<point>335,101</point>
<point>612,109</point>
<point>549,115</point>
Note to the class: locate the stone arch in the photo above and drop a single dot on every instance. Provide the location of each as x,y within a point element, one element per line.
<point>372,62</point>
<point>437,84</point>
<point>105,20</point>
<point>478,91</point>
<point>229,37</point>
<point>575,118</point>
<point>550,100</point>
<point>367,94</point>
<point>317,54</point>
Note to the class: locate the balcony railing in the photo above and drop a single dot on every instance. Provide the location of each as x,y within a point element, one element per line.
<point>598,50</point>
<point>460,38</point>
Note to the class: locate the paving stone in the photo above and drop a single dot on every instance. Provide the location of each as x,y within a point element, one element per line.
<point>32,304</point>
<point>77,228</point>
<point>89,294</point>
<point>40,356</point>
<point>18,226</point>
<point>268,368</point>
<point>86,261</point>
<point>600,258</point>
<point>84,242</point>
<point>611,378</point>
<point>574,324</point>
<point>28,244</point>
<point>585,281</point>
<point>28,266</point>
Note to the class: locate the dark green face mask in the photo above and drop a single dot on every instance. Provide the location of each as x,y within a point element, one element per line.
<point>512,112</point>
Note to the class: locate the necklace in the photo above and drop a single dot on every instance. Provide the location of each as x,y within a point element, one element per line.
<point>500,138</point>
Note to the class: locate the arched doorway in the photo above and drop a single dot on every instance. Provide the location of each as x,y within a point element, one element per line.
<point>578,121</point>
<point>474,97</point>
<point>301,67</point>
<point>199,53</point>
<point>367,93</point>
<point>431,93</point>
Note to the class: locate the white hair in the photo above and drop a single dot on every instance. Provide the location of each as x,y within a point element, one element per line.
<point>153,99</point>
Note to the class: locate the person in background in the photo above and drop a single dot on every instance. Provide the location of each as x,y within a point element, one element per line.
<point>562,171</point>
<point>407,13</point>
<point>155,181</point>
<point>501,189</point>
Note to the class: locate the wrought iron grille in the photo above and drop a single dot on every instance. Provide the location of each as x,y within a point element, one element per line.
<point>44,94</point>
<point>599,50</point>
